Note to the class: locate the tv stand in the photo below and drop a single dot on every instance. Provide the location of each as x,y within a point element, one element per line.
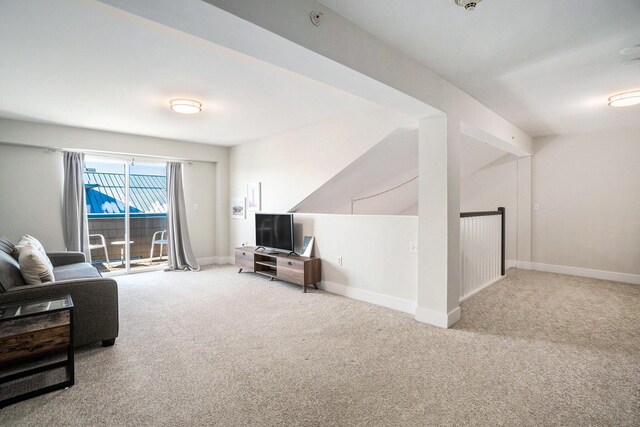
<point>300,270</point>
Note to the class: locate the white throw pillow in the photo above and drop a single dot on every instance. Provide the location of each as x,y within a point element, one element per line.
<point>27,239</point>
<point>35,267</point>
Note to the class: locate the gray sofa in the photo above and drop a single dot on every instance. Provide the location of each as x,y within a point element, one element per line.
<point>95,298</point>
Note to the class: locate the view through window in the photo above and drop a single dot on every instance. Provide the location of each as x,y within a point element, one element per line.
<point>106,198</point>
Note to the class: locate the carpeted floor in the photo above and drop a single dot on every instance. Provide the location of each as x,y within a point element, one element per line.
<point>221,348</point>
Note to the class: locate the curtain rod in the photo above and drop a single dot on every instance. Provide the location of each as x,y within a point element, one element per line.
<point>111,154</point>
<point>120,155</point>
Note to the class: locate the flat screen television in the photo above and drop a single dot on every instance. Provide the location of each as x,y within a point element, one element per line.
<point>274,231</point>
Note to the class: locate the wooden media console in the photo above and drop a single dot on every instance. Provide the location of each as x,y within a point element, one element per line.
<point>296,269</point>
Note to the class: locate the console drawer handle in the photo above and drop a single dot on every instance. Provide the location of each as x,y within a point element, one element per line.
<point>243,253</point>
<point>289,263</point>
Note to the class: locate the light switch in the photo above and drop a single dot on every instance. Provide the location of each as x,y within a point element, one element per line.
<point>195,206</point>
<point>536,207</point>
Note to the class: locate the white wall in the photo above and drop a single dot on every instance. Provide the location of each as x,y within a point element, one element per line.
<point>34,204</point>
<point>493,186</point>
<point>199,189</point>
<point>375,249</point>
<point>376,264</point>
<point>31,193</point>
<point>292,165</point>
<point>588,189</point>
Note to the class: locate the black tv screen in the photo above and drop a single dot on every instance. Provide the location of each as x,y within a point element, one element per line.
<point>274,231</point>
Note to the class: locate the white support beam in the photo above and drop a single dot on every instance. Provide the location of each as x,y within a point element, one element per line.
<point>438,222</point>
<point>517,148</point>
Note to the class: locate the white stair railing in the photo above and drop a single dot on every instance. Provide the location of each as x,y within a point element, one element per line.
<point>482,250</point>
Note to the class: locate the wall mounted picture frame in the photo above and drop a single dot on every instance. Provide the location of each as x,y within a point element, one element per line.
<point>307,246</point>
<point>253,197</point>
<point>238,207</point>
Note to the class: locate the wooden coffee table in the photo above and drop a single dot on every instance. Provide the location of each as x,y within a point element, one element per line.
<point>30,333</point>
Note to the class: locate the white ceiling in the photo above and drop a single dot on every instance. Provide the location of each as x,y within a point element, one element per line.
<point>83,63</point>
<point>548,66</point>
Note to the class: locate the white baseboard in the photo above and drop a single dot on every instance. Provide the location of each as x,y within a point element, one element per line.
<point>215,260</point>
<point>578,271</point>
<point>206,260</point>
<point>509,263</point>
<point>395,303</point>
<point>466,297</point>
<point>224,260</point>
<point>437,318</point>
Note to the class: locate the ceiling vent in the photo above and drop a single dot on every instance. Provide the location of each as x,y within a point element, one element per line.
<point>468,4</point>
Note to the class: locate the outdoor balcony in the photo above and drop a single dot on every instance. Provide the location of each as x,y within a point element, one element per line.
<point>142,228</point>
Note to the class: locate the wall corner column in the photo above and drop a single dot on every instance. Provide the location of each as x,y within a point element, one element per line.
<point>439,221</point>
<point>222,185</point>
<point>523,250</point>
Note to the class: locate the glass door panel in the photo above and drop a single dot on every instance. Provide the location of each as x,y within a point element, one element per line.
<point>148,215</point>
<point>124,239</point>
<point>106,203</point>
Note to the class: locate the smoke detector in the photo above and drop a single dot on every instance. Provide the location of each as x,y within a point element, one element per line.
<point>315,17</point>
<point>468,4</point>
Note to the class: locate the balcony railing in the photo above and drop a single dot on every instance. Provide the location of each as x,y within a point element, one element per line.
<point>141,230</point>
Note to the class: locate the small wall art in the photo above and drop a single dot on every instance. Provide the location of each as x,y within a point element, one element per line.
<point>307,246</point>
<point>238,207</point>
<point>253,197</point>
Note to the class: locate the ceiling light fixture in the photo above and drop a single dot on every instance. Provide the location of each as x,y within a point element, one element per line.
<point>185,106</point>
<point>468,4</point>
<point>625,99</point>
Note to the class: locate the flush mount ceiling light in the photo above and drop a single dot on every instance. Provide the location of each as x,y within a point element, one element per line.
<point>185,106</point>
<point>625,99</point>
<point>468,4</point>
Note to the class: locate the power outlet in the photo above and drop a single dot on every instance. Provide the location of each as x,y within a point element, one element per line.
<point>195,206</point>
<point>339,260</point>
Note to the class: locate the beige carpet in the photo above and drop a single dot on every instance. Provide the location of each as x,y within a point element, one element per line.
<point>221,348</point>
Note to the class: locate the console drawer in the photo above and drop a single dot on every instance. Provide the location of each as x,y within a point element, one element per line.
<point>244,259</point>
<point>291,270</point>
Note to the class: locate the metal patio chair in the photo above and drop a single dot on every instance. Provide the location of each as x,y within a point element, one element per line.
<point>155,241</point>
<point>102,244</point>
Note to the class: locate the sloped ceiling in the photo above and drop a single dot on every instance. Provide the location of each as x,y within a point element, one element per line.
<point>475,155</point>
<point>391,162</point>
<point>390,168</point>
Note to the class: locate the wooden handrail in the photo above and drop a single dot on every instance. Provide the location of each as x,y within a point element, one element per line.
<point>483,213</point>
<point>503,249</point>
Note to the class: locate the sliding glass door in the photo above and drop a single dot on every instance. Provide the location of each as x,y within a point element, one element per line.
<point>148,215</point>
<point>127,209</point>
